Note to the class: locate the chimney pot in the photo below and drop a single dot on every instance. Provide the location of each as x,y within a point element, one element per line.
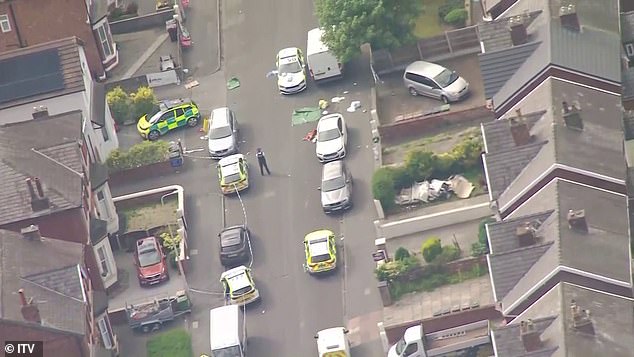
<point>40,191</point>
<point>519,130</point>
<point>40,112</point>
<point>29,184</point>
<point>530,336</point>
<point>568,17</point>
<point>572,117</point>
<point>31,232</point>
<point>519,36</point>
<point>525,234</point>
<point>577,222</point>
<point>22,297</point>
<point>38,202</point>
<point>29,310</point>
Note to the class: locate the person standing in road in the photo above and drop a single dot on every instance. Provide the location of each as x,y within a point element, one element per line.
<point>262,162</point>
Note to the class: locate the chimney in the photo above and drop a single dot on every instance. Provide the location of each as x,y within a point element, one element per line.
<point>39,202</point>
<point>581,319</point>
<point>577,221</point>
<point>519,130</point>
<point>572,116</point>
<point>40,112</point>
<point>525,234</point>
<point>530,336</point>
<point>568,17</point>
<point>31,232</point>
<point>29,310</point>
<point>519,36</point>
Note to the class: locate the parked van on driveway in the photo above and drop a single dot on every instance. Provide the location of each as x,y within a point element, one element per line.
<point>322,63</point>
<point>433,80</point>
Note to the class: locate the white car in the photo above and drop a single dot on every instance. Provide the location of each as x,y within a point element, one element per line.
<point>291,71</point>
<point>238,285</point>
<point>332,137</point>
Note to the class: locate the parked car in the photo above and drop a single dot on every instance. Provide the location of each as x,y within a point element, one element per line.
<point>223,133</point>
<point>332,137</point>
<point>291,71</point>
<point>435,81</point>
<point>321,252</point>
<point>233,174</point>
<point>235,245</point>
<point>150,262</point>
<point>169,115</point>
<point>238,285</point>
<point>336,187</point>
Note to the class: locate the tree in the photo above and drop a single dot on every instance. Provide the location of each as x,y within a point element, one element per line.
<point>383,187</point>
<point>431,249</point>
<point>348,24</point>
<point>119,103</point>
<point>143,101</point>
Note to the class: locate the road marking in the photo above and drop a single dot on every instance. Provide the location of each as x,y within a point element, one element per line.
<point>195,324</point>
<point>193,252</point>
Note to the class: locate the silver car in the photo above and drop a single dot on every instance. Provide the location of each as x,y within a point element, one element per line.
<point>336,187</point>
<point>436,81</point>
<point>332,136</point>
<point>223,133</point>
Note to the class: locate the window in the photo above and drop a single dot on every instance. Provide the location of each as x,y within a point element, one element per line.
<point>105,333</point>
<point>411,349</point>
<point>103,204</point>
<point>103,261</point>
<point>103,39</point>
<point>104,133</point>
<point>167,116</point>
<point>5,25</point>
<point>180,112</point>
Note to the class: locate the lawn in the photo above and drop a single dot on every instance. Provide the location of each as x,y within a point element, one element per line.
<point>428,23</point>
<point>174,343</point>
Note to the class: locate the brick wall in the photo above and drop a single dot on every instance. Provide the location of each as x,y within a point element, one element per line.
<point>47,20</point>
<point>56,343</point>
<point>419,125</point>
<point>140,23</point>
<point>140,173</point>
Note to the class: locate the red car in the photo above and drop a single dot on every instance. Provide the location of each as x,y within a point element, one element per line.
<point>150,262</point>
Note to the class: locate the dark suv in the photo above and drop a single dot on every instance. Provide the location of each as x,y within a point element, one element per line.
<point>235,245</point>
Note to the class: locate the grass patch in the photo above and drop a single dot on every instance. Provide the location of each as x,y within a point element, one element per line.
<point>174,343</point>
<point>431,282</point>
<point>150,215</point>
<point>428,24</point>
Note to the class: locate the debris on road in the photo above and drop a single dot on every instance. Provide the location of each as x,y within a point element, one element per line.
<point>272,73</point>
<point>305,115</point>
<point>323,104</point>
<point>191,84</point>
<point>354,105</point>
<point>337,99</point>
<point>311,136</point>
<point>345,92</point>
<point>233,83</point>
<point>426,191</point>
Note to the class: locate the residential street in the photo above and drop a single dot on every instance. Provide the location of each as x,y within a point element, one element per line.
<point>283,207</point>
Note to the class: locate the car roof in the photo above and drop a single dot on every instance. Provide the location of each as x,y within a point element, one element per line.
<point>288,52</point>
<point>332,170</point>
<point>220,117</point>
<point>230,160</point>
<point>146,243</point>
<point>328,121</point>
<point>171,103</point>
<point>332,338</point>
<point>318,247</point>
<point>231,236</point>
<point>426,69</point>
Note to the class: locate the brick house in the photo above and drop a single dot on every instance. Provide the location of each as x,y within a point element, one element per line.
<point>46,294</point>
<point>25,23</point>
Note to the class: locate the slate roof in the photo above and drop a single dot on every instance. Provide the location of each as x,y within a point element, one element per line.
<point>502,234</point>
<point>46,148</point>
<point>612,319</point>
<point>627,26</point>
<point>598,148</point>
<point>593,51</point>
<point>499,66</point>
<point>98,10</point>
<point>68,50</point>
<point>516,270</point>
<point>53,283</point>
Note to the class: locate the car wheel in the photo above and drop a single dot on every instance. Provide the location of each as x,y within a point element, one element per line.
<point>444,99</point>
<point>192,122</point>
<point>153,135</point>
<point>413,91</point>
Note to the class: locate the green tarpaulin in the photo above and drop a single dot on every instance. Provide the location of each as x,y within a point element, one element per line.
<point>305,115</point>
<point>233,83</point>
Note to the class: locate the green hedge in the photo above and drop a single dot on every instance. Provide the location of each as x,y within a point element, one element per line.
<point>141,154</point>
<point>130,107</point>
<point>174,343</point>
<point>481,247</point>
<point>456,17</point>
<point>448,6</point>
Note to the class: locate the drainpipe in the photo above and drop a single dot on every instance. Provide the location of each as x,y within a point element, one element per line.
<point>15,24</point>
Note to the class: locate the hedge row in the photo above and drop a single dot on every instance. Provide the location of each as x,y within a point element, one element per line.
<point>141,154</point>
<point>130,107</point>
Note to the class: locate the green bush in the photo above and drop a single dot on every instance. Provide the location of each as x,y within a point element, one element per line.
<point>449,253</point>
<point>456,17</point>
<point>449,5</point>
<point>481,247</point>
<point>396,269</point>
<point>119,103</point>
<point>174,343</point>
<point>401,253</point>
<point>420,164</point>
<point>142,102</point>
<point>141,154</point>
<point>383,187</point>
<point>431,248</point>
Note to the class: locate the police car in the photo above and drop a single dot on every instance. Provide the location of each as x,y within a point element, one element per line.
<point>291,71</point>
<point>233,173</point>
<point>321,251</point>
<point>238,285</point>
<point>169,115</point>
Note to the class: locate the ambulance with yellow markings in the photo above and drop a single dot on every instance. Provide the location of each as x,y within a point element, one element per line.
<point>333,342</point>
<point>321,252</point>
<point>169,115</point>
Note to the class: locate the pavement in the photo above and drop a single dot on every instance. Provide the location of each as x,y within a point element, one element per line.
<point>393,99</point>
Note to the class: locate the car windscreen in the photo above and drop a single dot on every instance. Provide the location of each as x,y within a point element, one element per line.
<point>220,132</point>
<point>148,257</point>
<point>230,241</point>
<point>445,78</point>
<point>233,178</point>
<point>320,258</point>
<point>328,135</point>
<point>233,351</point>
<point>333,184</point>
<point>243,290</point>
<point>290,67</point>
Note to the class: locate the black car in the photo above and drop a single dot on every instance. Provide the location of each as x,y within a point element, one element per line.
<point>235,245</point>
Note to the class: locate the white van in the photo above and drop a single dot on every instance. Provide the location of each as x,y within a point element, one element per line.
<point>321,62</point>
<point>227,332</point>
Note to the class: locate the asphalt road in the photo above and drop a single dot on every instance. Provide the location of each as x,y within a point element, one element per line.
<point>202,59</point>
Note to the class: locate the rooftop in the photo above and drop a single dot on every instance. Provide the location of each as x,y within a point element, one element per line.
<point>47,148</point>
<point>597,148</point>
<point>54,284</point>
<point>611,319</point>
<point>40,72</point>
<point>592,51</point>
<point>515,270</point>
<point>627,37</point>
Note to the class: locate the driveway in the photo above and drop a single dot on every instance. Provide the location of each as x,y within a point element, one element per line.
<point>393,99</point>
